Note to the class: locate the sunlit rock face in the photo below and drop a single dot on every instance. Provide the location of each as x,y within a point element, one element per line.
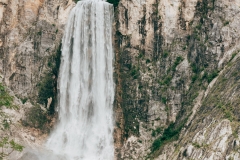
<point>156,90</point>
<point>31,31</point>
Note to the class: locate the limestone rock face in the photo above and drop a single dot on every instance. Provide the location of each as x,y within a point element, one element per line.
<point>172,57</point>
<point>30,32</point>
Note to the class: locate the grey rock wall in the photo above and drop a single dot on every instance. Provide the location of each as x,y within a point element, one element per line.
<point>170,55</point>
<point>31,31</point>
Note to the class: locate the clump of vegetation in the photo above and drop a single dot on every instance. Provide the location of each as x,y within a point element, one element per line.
<point>165,54</point>
<point>227,111</point>
<point>24,100</point>
<point>114,2</point>
<point>195,144</point>
<point>169,134</point>
<point>36,117</point>
<point>48,86</point>
<point>164,100</point>
<point>135,72</point>
<point>233,56</point>
<point>148,61</point>
<point>39,33</point>
<point>212,75</point>
<point>5,99</point>
<point>141,55</point>
<point>196,74</point>
<point>7,145</point>
<point>166,80</point>
<point>156,132</point>
<point>178,60</point>
<point>195,68</point>
<point>194,78</point>
<point>226,23</point>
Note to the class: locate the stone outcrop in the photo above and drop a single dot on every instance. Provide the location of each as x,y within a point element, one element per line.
<point>31,31</point>
<point>30,34</point>
<point>170,55</point>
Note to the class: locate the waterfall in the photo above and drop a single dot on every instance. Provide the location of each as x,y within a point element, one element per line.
<point>86,87</point>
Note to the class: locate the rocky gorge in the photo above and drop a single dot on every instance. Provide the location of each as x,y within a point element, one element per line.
<point>176,74</point>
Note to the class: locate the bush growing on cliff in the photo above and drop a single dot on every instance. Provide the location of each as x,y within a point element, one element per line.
<point>212,75</point>
<point>36,117</point>
<point>7,145</point>
<point>5,99</point>
<point>48,86</point>
<point>114,2</point>
<point>156,132</point>
<point>135,72</point>
<point>177,62</point>
<point>165,53</point>
<point>169,134</point>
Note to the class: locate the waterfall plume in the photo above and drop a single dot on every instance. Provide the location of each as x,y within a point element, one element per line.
<point>85,85</point>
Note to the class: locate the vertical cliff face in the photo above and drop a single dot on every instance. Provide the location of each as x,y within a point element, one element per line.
<point>30,36</point>
<point>31,31</point>
<point>170,54</point>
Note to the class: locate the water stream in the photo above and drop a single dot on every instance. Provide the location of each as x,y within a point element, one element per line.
<point>86,87</point>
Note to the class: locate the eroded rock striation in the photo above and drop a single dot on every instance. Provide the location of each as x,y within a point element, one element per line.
<point>173,57</point>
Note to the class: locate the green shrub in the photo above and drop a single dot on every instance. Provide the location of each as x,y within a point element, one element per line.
<point>226,23</point>
<point>156,132</point>
<point>196,145</point>
<point>204,76</point>
<point>166,80</point>
<point>171,133</point>
<point>228,115</point>
<point>7,146</point>
<point>48,86</point>
<point>199,26</point>
<point>194,78</point>
<point>165,54</point>
<point>39,33</point>
<point>156,144</point>
<point>24,100</point>
<point>10,146</point>
<point>135,72</point>
<point>35,117</point>
<point>233,55</point>
<point>194,68</point>
<point>141,55</point>
<point>212,75</point>
<point>114,2</point>
<point>5,99</point>
<point>164,100</point>
<point>178,60</point>
<point>148,61</point>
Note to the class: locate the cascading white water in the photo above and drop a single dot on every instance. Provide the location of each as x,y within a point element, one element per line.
<point>86,87</point>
